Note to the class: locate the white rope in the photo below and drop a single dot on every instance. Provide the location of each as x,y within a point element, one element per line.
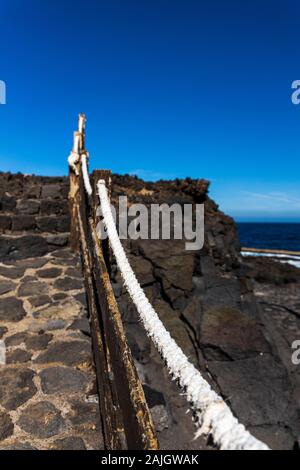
<point>85,174</point>
<point>74,157</point>
<point>214,417</point>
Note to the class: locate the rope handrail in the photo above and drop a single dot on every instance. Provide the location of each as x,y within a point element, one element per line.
<point>214,416</point>
<point>85,174</point>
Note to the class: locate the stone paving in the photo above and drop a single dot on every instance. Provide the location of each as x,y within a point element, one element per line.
<point>48,395</point>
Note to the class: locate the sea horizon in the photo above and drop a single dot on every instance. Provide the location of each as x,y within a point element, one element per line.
<point>270,235</point>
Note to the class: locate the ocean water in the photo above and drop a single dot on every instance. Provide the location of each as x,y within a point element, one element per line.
<point>279,236</point>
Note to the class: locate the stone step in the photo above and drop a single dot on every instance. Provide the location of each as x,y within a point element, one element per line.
<point>15,247</point>
<point>48,391</point>
<point>23,206</point>
<point>35,223</point>
<point>33,187</point>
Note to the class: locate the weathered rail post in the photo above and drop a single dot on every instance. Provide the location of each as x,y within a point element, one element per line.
<point>107,177</point>
<point>74,197</point>
<point>126,420</point>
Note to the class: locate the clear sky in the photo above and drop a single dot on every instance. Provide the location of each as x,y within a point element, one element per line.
<point>170,89</point>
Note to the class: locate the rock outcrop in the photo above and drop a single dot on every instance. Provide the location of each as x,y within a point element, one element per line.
<point>206,301</point>
<point>205,298</point>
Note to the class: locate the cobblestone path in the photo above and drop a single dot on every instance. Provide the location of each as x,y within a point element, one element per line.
<point>48,397</point>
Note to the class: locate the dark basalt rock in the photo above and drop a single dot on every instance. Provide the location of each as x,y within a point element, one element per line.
<point>18,446</point>
<point>41,419</point>
<point>68,283</point>
<point>3,330</point>
<point>26,279</point>
<point>69,443</point>
<point>32,288</point>
<point>55,325</point>
<point>228,334</point>
<point>81,324</point>
<point>29,206</point>
<point>153,397</point>
<point>205,299</point>
<point>258,390</point>
<point>23,247</point>
<point>49,272</point>
<point>39,300</point>
<point>11,273</point>
<point>16,339</point>
<point>6,286</point>
<point>63,380</point>
<point>267,270</point>
<point>18,356</point>
<point>5,222</point>
<point>65,254</point>
<point>81,298</point>
<point>6,426</point>
<point>59,296</point>
<point>69,353</point>
<point>74,272</point>
<point>84,413</point>
<point>51,191</point>
<point>57,240</point>
<point>16,387</point>
<point>11,309</point>
<point>50,207</point>
<point>24,222</point>
<point>7,203</point>
<point>47,223</point>
<point>31,263</point>
<point>38,342</point>
<point>63,223</point>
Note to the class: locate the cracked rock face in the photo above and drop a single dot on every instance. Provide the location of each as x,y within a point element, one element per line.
<point>205,299</point>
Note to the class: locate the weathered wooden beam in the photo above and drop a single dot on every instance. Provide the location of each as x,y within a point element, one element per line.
<point>73,204</point>
<point>105,175</point>
<point>138,423</point>
<point>126,420</point>
<point>74,196</point>
<point>111,416</point>
<point>113,432</point>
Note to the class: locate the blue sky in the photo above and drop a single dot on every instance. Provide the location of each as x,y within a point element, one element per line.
<point>170,89</point>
